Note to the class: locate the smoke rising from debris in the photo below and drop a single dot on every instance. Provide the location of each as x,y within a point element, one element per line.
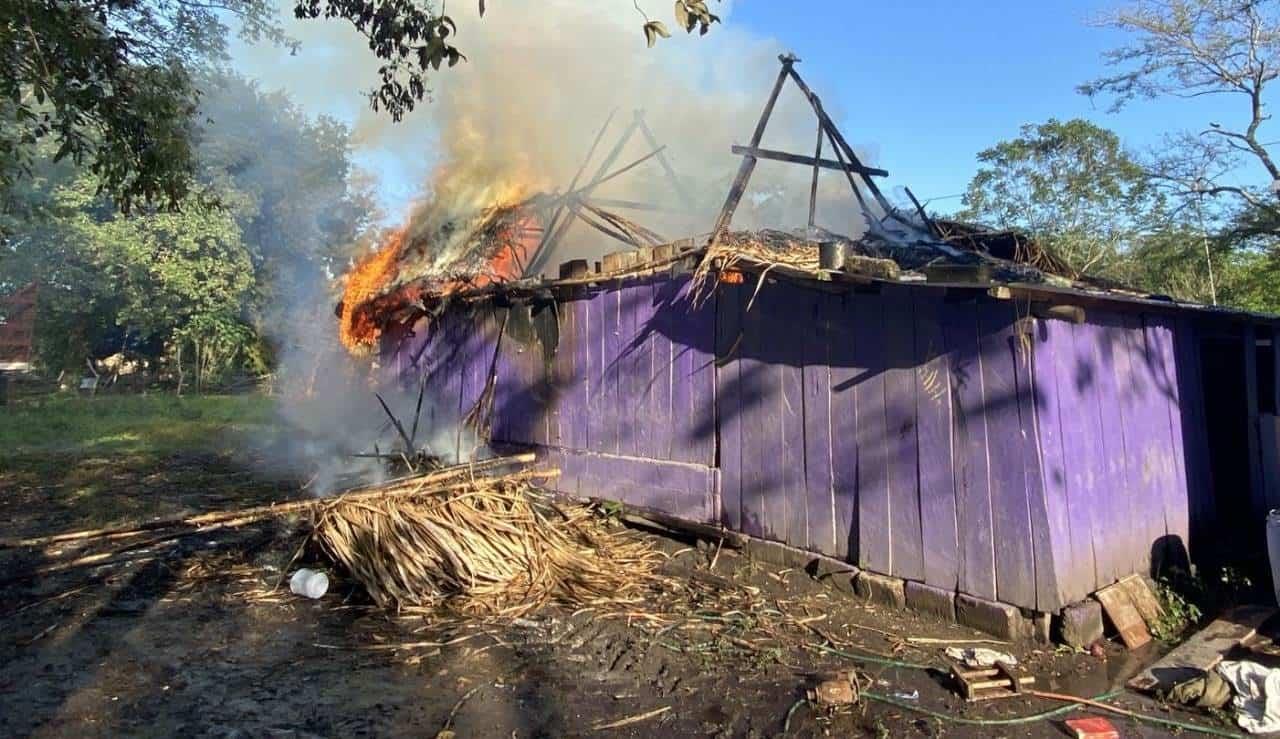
<point>518,117</point>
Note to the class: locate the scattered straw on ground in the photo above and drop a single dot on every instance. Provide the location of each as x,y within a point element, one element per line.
<point>485,547</point>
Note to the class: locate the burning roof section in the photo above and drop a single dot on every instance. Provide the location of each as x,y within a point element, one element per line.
<point>511,240</point>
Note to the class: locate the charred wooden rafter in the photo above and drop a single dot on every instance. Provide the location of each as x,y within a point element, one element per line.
<point>846,159</point>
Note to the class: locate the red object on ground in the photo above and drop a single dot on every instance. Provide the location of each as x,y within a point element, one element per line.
<point>1092,727</point>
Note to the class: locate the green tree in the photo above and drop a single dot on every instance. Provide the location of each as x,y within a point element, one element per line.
<point>1071,185</point>
<point>276,207</point>
<point>148,274</point>
<point>1194,48</point>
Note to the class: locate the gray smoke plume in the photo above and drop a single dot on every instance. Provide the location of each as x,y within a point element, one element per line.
<point>517,119</point>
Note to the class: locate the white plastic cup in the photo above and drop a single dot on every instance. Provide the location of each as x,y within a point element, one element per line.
<point>309,583</point>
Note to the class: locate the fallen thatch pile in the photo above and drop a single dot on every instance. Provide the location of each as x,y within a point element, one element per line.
<point>483,546</point>
<point>477,539</point>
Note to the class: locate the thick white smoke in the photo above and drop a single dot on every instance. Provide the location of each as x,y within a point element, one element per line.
<point>518,118</point>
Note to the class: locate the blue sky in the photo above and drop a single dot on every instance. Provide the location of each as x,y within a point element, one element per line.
<point>934,83</point>
<point>924,84</point>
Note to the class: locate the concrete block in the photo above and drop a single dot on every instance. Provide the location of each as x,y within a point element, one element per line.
<point>1080,624</point>
<point>820,567</point>
<point>1001,620</point>
<point>889,591</point>
<point>833,572</point>
<point>933,601</point>
<point>1040,624</point>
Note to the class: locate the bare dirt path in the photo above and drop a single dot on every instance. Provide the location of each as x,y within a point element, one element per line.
<point>194,639</point>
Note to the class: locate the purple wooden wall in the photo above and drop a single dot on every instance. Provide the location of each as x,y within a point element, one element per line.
<point>1122,441</point>
<point>952,442</point>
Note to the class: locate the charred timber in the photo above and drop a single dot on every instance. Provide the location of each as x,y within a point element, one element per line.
<point>782,156</point>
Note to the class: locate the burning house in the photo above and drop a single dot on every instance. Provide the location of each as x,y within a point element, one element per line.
<point>942,408</point>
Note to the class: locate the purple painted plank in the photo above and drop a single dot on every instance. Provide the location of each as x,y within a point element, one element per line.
<point>791,307</point>
<point>529,362</point>
<point>687,428</point>
<point>900,423</point>
<point>1194,433</point>
<point>817,425</point>
<point>1127,553</point>
<point>763,509</point>
<point>1148,450</point>
<point>1117,552</point>
<point>682,490</point>
<point>973,501</point>
<point>1082,440</point>
<point>1038,400</point>
<point>698,330</point>
<point>1161,340</point>
<point>598,420</point>
<point>1048,598</point>
<point>475,360</point>
<point>875,537</point>
<point>583,348</point>
<point>609,358</point>
<point>448,384</point>
<point>846,373</point>
<point>1052,367</point>
<point>1145,414</point>
<point>728,301</point>
<point>635,305</point>
<point>668,427</point>
<point>1165,469</point>
<point>540,366</point>
<point>933,430</point>
<point>559,377</point>
<point>1010,514</point>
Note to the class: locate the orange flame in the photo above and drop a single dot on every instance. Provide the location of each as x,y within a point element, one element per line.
<point>357,328</point>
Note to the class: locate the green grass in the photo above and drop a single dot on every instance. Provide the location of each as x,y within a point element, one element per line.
<point>130,424</point>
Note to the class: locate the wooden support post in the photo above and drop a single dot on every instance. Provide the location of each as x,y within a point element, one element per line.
<point>1275,363</point>
<point>748,165</point>
<point>928,222</point>
<point>848,174</point>
<point>838,138</point>
<point>1257,495</point>
<point>813,186</point>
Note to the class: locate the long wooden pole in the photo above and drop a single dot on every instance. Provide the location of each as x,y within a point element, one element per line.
<point>748,165</point>
<point>272,509</point>
<point>813,185</point>
<point>839,140</point>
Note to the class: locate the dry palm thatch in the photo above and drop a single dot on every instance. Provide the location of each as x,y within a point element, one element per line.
<point>484,547</point>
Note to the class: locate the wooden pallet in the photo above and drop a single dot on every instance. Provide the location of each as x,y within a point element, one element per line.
<point>989,683</point>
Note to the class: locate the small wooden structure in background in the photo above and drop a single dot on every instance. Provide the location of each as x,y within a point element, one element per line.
<point>17,329</point>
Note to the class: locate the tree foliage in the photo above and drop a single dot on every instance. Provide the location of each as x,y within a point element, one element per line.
<point>114,84</point>
<point>1193,48</point>
<point>111,85</point>
<point>274,207</point>
<point>1072,185</point>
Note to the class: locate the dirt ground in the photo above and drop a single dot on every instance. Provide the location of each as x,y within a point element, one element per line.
<point>195,638</point>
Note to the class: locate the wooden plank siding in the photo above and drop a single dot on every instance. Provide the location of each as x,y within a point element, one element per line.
<point>971,456</point>
<point>941,438</point>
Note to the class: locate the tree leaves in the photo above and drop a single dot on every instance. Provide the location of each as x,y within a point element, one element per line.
<point>654,29</point>
<point>111,84</point>
<point>1070,184</point>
